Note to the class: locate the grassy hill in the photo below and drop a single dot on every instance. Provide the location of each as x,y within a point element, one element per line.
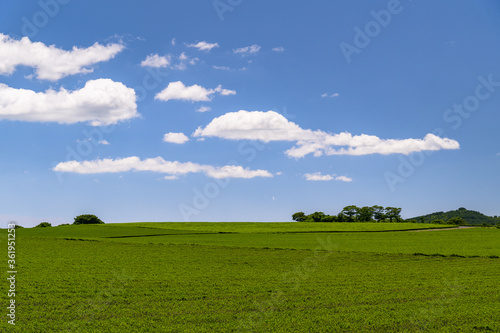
<point>471,217</point>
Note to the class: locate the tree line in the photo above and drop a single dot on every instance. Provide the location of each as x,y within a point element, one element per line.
<point>354,214</point>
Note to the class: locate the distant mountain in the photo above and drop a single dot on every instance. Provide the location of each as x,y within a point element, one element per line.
<point>470,217</point>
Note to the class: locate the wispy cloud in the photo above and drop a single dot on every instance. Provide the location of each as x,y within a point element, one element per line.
<point>51,63</point>
<point>100,102</point>
<point>279,49</point>
<point>317,176</point>
<point>325,95</point>
<point>195,93</point>
<point>172,169</point>
<point>178,138</point>
<point>203,108</point>
<point>247,50</point>
<point>204,46</point>
<point>272,126</point>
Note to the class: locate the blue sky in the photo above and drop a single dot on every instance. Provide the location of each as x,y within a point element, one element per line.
<point>246,110</point>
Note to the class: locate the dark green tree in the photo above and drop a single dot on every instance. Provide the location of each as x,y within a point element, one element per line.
<point>378,213</point>
<point>393,214</point>
<point>318,216</point>
<point>365,214</point>
<point>456,220</point>
<point>87,219</point>
<point>350,212</point>
<point>299,216</point>
<point>44,225</point>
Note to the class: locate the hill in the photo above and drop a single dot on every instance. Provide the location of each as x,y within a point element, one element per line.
<point>470,217</point>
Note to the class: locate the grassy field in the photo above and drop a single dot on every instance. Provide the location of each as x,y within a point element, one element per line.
<point>183,278</point>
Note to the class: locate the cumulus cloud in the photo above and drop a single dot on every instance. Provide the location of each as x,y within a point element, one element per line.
<point>272,126</point>
<point>317,176</point>
<point>173,169</point>
<point>247,50</point>
<point>194,93</point>
<point>104,142</point>
<point>100,102</point>
<point>51,63</point>
<point>156,61</point>
<point>204,46</point>
<point>178,138</point>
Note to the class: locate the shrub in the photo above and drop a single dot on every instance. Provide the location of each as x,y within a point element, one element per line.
<point>438,222</point>
<point>44,225</point>
<point>87,219</point>
<point>60,225</point>
<point>18,227</point>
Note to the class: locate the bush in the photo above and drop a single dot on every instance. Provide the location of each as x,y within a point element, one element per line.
<point>87,219</point>
<point>60,225</point>
<point>438,222</point>
<point>44,225</point>
<point>18,227</point>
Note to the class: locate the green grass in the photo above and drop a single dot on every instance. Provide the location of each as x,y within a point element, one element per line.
<point>464,242</point>
<point>273,227</point>
<point>260,282</point>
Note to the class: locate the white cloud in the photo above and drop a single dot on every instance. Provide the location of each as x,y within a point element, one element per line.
<point>178,138</point>
<point>224,92</point>
<point>104,142</point>
<point>49,62</point>
<point>222,68</point>
<point>158,164</point>
<point>325,95</point>
<point>279,49</point>
<point>184,61</point>
<point>194,93</point>
<point>204,46</point>
<point>204,108</point>
<point>272,126</point>
<point>172,42</point>
<point>343,179</point>
<point>247,50</point>
<point>156,61</point>
<point>100,102</point>
<point>317,176</point>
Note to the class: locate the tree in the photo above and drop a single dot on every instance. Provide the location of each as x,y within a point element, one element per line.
<point>438,222</point>
<point>318,216</point>
<point>87,219</point>
<point>299,216</point>
<point>351,212</point>
<point>456,220</point>
<point>393,213</point>
<point>44,225</point>
<point>365,214</point>
<point>341,217</point>
<point>378,213</point>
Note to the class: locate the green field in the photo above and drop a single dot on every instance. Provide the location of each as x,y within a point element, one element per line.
<point>253,277</point>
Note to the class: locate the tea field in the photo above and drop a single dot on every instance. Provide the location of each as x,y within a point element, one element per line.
<point>252,277</point>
